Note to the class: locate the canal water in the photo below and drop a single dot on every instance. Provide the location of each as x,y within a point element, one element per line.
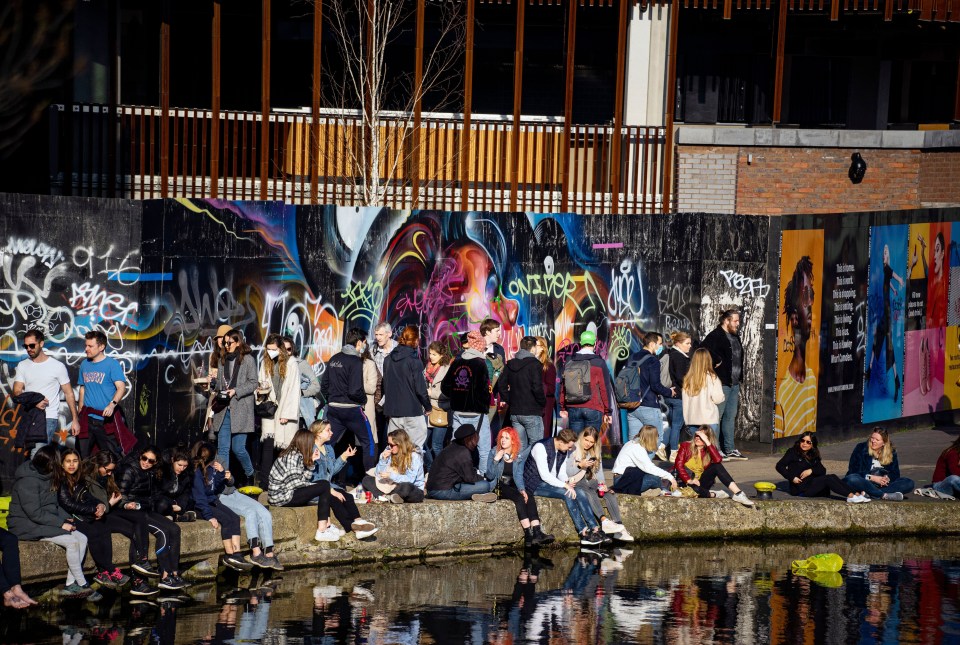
<point>888,591</point>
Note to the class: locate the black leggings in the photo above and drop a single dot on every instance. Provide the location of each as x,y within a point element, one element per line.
<point>526,510</point>
<point>345,512</point>
<point>167,535</point>
<point>407,491</point>
<point>228,519</point>
<point>822,486</point>
<point>710,474</point>
<point>140,541</point>
<point>99,539</point>
<point>10,569</point>
<point>165,504</point>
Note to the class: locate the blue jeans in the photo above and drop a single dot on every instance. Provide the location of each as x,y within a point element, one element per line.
<point>482,423</point>
<point>257,519</point>
<point>674,421</point>
<point>643,416</point>
<point>692,430</point>
<point>860,483</point>
<point>634,481</point>
<point>580,418</point>
<point>52,426</point>
<point>949,486</point>
<point>579,509</point>
<point>529,427</point>
<point>462,491</point>
<point>437,438</point>
<point>728,415</point>
<point>237,442</point>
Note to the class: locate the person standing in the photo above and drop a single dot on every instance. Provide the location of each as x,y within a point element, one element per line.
<point>279,383</point>
<point>496,356</point>
<point>235,384</point>
<point>102,386</point>
<point>467,385</point>
<point>586,406</point>
<point>382,346</point>
<point>309,384</point>
<point>726,351</point>
<point>439,359</point>
<point>47,376</point>
<point>648,412</point>
<point>549,385</point>
<point>342,387</point>
<point>405,390</point>
<point>674,365</point>
<point>521,387</point>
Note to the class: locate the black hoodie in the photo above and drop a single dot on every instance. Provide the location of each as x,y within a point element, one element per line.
<point>521,385</point>
<point>404,387</point>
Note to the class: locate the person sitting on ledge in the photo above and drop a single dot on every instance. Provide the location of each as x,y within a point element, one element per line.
<point>946,476</point>
<point>504,468</point>
<point>874,468</point>
<point>585,470</point>
<point>454,474</point>
<point>699,464</point>
<point>634,472</point>
<point>802,467</point>
<point>399,473</point>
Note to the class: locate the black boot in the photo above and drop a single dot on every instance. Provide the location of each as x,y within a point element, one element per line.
<point>528,538</point>
<point>539,537</point>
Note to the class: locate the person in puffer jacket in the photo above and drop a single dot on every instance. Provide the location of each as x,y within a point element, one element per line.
<point>175,497</point>
<point>210,479</point>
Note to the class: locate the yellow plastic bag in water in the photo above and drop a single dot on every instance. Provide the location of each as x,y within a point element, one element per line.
<point>820,562</point>
<point>823,578</point>
<point>4,511</point>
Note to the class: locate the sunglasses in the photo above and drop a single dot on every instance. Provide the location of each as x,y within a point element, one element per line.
<point>31,345</point>
<point>228,343</point>
<point>148,460</point>
<point>806,441</point>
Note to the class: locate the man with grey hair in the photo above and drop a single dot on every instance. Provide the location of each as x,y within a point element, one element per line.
<point>383,335</point>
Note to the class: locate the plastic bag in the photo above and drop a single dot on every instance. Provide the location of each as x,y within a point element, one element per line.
<point>821,562</point>
<point>830,579</point>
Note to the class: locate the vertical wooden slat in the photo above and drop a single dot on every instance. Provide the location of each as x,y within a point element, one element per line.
<point>143,151</point>
<point>417,107</point>
<point>618,106</point>
<point>164,94</point>
<point>566,148</point>
<point>113,99</point>
<point>264,99</point>
<point>176,150</point>
<point>215,103</point>
<point>669,108</point>
<point>315,104</point>
<point>517,98</point>
<point>638,136</point>
<point>467,110</point>
<point>778,68</point>
<point>204,148</point>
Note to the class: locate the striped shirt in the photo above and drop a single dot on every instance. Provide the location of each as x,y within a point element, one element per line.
<point>796,408</point>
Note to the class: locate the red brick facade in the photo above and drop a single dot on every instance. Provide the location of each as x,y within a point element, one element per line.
<point>940,177</point>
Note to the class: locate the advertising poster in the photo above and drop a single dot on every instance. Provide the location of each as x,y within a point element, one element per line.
<point>886,295</point>
<point>917,277</point>
<point>798,336</point>
<point>938,275</point>
<point>923,372</point>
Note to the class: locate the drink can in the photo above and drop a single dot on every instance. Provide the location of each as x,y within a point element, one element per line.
<point>368,496</point>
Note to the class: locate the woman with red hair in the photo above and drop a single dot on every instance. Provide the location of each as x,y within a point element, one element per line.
<point>504,466</point>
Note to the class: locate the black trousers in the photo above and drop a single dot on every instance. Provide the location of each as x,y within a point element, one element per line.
<point>822,486</point>
<point>99,540</point>
<point>96,434</point>
<point>526,510</point>
<point>184,500</point>
<point>410,493</point>
<point>228,519</point>
<point>345,512</point>
<point>711,474</point>
<point>140,541</point>
<point>167,536</point>
<point>10,568</point>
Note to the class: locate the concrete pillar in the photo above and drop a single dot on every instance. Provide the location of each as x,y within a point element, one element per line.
<point>646,73</point>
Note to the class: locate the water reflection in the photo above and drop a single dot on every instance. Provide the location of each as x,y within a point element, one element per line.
<point>888,592</point>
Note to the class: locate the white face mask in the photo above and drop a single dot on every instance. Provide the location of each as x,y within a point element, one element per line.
<point>273,353</point>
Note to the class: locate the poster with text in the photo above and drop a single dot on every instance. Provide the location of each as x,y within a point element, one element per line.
<point>798,335</point>
<point>886,287</point>
<point>917,277</point>
<point>951,367</point>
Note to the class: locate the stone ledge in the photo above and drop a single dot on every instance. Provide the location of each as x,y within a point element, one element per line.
<point>445,528</point>
<point>812,138</point>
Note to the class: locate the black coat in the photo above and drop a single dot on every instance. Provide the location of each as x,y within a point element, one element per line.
<point>467,384</point>
<point>404,387</point>
<point>33,421</point>
<point>138,485</point>
<point>521,385</point>
<point>81,502</point>
<point>342,380</point>
<point>454,465</point>
<point>719,346</point>
<point>793,463</point>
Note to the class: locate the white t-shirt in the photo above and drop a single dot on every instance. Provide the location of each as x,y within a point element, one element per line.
<point>45,378</point>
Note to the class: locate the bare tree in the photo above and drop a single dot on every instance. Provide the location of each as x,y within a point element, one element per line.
<point>382,144</point>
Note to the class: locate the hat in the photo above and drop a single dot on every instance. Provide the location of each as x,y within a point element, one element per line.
<point>223,330</point>
<point>588,338</point>
<point>475,341</point>
<point>464,431</point>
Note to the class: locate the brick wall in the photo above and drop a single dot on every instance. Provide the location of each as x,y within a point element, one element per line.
<point>706,179</point>
<point>940,178</point>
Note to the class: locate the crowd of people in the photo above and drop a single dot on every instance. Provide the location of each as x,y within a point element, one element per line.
<point>381,424</point>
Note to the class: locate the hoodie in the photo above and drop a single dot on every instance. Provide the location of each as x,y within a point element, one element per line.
<point>34,511</point>
<point>404,387</point>
<point>342,382</point>
<point>521,385</point>
<point>467,383</point>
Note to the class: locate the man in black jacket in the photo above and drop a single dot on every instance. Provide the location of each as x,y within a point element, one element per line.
<point>727,353</point>
<point>454,475</point>
<point>342,387</point>
<point>405,389</point>
<point>467,386</point>
<point>521,387</point>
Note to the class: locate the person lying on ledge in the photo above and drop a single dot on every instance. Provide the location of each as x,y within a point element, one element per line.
<point>454,474</point>
<point>802,467</point>
<point>875,469</point>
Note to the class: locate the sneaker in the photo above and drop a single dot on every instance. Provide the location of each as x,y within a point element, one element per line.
<point>172,583</point>
<point>236,563</point>
<point>734,455</point>
<point>119,577</point>
<point>141,588</point>
<point>651,492</point>
<point>183,583</point>
<point>189,516</point>
<point>926,491</point>
<point>144,567</point>
<point>603,537</point>
<point>610,527</point>
<point>261,560</point>
<point>274,563</point>
<point>720,494</point>
<point>329,534</point>
<point>676,493</point>
<point>590,538</point>
<point>623,536</point>
<point>673,456</point>
<point>396,499</point>
<point>104,579</point>
<point>76,591</point>
<point>366,532</point>
<point>893,497</point>
<point>489,498</point>
<point>945,496</point>
<point>661,452</point>
<point>93,596</point>
<point>742,499</point>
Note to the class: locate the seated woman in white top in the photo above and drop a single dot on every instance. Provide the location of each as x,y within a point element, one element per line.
<point>633,471</point>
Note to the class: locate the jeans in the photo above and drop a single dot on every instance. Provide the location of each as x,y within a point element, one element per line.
<point>579,508</point>
<point>580,418</point>
<point>482,424</point>
<point>692,430</point>
<point>728,415</point>
<point>949,486</point>
<point>634,481</point>
<point>674,422</point>
<point>238,443</point>
<point>859,482</point>
<point>257,519</point>
<point>529,427</point>
<point>52,426</point>
<point>646,416</point>
<point>462,491</point>
<point>591,489</point>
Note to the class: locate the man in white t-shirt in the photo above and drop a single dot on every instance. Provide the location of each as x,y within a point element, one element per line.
<point>40,373</point>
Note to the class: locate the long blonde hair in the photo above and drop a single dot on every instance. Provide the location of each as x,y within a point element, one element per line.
<point>885,456</point>
<point>647,437</point>
<point>401,461</point>
<point>705,455</point>
<point>594,452</point>
<point>701,365</point>
<point>545,354</point>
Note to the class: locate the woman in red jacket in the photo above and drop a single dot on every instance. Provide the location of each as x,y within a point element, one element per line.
<point>699,465</point>
<point>946,475</point>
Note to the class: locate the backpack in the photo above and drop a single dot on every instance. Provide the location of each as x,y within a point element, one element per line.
<point>576,382</point>
<point>627,384</point>
<point>665,379</point>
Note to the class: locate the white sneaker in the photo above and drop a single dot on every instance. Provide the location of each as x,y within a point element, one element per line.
<point>720,494</point>
<point>661,452</point>
<point>329,534</point>
<point>365,534</point>
<point>864,499</point>
<point>610,527</point>
<point>741,498</point>
<point>673,456</point>
<point>945,496</point>
<point>623,536</point>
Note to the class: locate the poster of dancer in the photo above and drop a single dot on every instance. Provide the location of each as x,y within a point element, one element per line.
<point>919,267</point>
<point>883,365</point>
<point>798,336</point>
<point>938,275</point>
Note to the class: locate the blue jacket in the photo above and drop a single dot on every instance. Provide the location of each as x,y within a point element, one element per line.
<point>328,465</point>
<point>650,378</point>
<point>414,474</point>
<point>206,496</point>
<point>861,463</point>
<point>495,468</point>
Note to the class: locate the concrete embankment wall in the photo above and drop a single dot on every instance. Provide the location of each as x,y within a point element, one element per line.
<point>444,528</point>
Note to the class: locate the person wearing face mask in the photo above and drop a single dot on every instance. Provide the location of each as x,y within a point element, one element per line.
<point>648,412</point>
<point>280,384</point>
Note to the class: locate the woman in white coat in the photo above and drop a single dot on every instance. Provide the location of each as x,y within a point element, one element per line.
<point>280,384</point>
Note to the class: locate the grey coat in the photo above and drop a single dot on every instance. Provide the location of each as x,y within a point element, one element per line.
<point>241,405</point>
<point>34,511</point>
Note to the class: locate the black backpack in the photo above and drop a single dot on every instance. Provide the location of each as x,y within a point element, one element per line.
<point>576,382</point>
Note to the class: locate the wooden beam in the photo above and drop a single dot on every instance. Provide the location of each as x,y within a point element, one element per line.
<point>517,103</point>
<point>113,97</point>
<point>417,106</point>
<point>164,96</point>
<point>215,102</point>
<point>467,100</point>
<point>669,108</point>
<point>618,106</point>
<point>568,103</point>
<point>264,98</point>
<point>315,106</point>
<point>778,67</point>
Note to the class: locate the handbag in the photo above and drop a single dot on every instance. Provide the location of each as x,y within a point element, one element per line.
<point>437,418</point>
<point>265,409</point>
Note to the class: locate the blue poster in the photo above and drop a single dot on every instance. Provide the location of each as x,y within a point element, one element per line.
<point>883,362</point>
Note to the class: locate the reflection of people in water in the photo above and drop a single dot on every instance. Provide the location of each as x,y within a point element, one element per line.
<point>796,409</point>
<point>883,334</point>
